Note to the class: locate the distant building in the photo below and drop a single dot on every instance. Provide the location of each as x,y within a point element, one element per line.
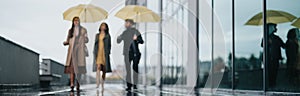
<point>18,65</point>
<point>52,73</point>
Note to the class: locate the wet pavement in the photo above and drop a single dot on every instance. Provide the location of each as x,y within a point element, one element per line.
<point>116,90</point>
<point>88,90</point>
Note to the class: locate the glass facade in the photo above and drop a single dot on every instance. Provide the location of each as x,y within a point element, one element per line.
<point>174,33</point>
<point>286,75</point>
<point>230,52</point>
<point>248,50</point>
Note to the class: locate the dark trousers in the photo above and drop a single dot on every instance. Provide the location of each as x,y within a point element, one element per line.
<point>272,72</point>
<point>135,58</point>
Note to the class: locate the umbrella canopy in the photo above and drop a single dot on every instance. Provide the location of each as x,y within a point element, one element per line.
<point>137,14</point>
<point>297,23</point>
<point>86,13</point>
<point>273,16</point>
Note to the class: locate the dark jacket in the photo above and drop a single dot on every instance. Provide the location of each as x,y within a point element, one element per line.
<point>130,45</point>
<point>107,49</point>
<point>275,44</point>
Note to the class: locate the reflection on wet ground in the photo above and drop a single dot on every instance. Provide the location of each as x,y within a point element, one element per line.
<point>86,90</point>
<point>91,90</point>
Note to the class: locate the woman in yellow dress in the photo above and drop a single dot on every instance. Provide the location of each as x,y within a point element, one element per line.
<point>101,53</point>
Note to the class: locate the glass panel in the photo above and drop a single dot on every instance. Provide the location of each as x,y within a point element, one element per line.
<point>150,48</point>
<point>205,44</point>
<point>174,34</point>
<point>249,73</point>
<point>222,43</point>
<point>283,64</point>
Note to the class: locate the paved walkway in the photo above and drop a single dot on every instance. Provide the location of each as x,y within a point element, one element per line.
<point>118,90</point>
<point>88,90</point>
<point>109,90</point>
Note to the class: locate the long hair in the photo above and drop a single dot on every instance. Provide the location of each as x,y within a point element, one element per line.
<point>73,26</point>
<point>292,34</point>
<point>106,30</point>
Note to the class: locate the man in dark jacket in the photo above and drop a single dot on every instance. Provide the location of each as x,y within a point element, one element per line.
<point>274,54</point>
<point>131,37</point>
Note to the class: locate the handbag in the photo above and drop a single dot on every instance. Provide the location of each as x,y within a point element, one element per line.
<point>86,51</point>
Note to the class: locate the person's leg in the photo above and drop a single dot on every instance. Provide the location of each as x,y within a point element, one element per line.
<point>70,70</point>
<point>98,75</point>
<point>272,71</point>
<point>103,75</point>
<point>297,77</point>
<point>288,71</point>
<point>136,61</point>
<point>128,71</point>
<point>72,81</point>
<point>294,76</point>
<point>275,72</point>
<point>270,74</point>
<point>78,81</point>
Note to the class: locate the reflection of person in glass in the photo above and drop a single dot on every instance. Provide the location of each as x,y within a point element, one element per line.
<point>76,63</point>
<point>101,53</point>
<point>131,38</point>
<point>292,55</point>
<point>274,54</point>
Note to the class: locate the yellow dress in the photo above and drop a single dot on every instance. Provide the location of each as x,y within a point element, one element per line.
<point>101,55</point>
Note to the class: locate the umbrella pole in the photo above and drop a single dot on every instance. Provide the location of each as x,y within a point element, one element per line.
<point>160,46</point>
<point>145,56</point>
<point>85,15</point>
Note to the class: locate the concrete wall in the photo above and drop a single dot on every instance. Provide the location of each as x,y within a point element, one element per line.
<point>18,65</point>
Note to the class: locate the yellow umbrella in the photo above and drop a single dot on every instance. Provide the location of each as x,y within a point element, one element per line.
<point>297,23</point>
<point>86,13</point>
<point>137,14</point>
<point>273,16</point>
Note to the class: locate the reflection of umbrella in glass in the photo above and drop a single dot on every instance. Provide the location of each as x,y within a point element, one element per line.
<point>86,13</point>
<point>297,23</point>
<point>273,16</point>
<point>137,14</point>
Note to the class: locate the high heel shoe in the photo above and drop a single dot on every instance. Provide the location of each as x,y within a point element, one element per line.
<point>72,88</point>
<point>78,87</point>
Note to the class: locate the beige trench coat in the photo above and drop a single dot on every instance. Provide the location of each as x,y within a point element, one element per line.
<point>76,50</point>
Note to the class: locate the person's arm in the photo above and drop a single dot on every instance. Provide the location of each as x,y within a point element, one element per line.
<point>109,44</point>
<point>86,39</point>
<point>139,38</point>
<point>68,39</point>
<point>95,45</point>
<point>262,43</point>
<point>120,38</point>
<point>282,44</point>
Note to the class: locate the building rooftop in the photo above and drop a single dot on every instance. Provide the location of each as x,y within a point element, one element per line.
<point>9,41</point>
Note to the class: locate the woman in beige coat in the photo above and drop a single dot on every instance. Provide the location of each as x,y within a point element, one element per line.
<point>76,63</point>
